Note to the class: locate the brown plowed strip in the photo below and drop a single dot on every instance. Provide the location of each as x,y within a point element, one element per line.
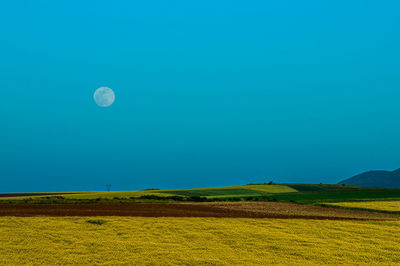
<point>233,210</point>
<point>301,210</point>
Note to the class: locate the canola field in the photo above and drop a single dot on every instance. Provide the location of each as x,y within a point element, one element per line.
<point>392,206</point>
<point>193,241</point>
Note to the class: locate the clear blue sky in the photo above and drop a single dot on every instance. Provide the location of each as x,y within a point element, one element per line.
<point>208,93</point>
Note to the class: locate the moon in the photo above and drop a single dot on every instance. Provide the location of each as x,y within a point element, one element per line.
<point>104,96</point>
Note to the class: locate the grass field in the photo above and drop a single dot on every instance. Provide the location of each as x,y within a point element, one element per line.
<point>218,192</point>
<point>390,206</point>
<point>320,187</point>
<point>192,241</point>
<point>94,195</point>
<point>235,191</point>
<point>340,195</point>
<point>113,194</point>
<point>300,193</point>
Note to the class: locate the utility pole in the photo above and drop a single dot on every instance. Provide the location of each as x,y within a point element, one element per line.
<point>108,187</point>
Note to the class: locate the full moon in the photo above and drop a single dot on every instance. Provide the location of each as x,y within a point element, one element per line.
<point>104,96</point>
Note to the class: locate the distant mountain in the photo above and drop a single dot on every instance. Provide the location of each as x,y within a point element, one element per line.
<point>380,179</point>
<point>397,172</point>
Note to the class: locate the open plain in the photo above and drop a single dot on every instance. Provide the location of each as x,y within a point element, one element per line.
<point>241,225</point>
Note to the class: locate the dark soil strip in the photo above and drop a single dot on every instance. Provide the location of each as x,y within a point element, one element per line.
<point>147,210</point>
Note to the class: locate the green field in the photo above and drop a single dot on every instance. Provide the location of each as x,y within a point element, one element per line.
<point>340,195</point>
<point>320,187</point>
<point>299,193</point>
<point>210,193</point>
<point>237,191</point>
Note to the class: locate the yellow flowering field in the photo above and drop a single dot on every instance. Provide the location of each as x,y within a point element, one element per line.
<point>193,241</point>
<point>393,206</point>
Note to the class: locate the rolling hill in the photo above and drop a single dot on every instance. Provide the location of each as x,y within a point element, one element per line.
<point>378,179</point>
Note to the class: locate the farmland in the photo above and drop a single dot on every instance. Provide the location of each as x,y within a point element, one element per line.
<point>361,194</point>
<point>206,209</point>
<point>388,206</point>
<point>238,191</point>
<point>218,192</point>
<point>222,241</point>
<point>301,193</point>
<point>244,225</point>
